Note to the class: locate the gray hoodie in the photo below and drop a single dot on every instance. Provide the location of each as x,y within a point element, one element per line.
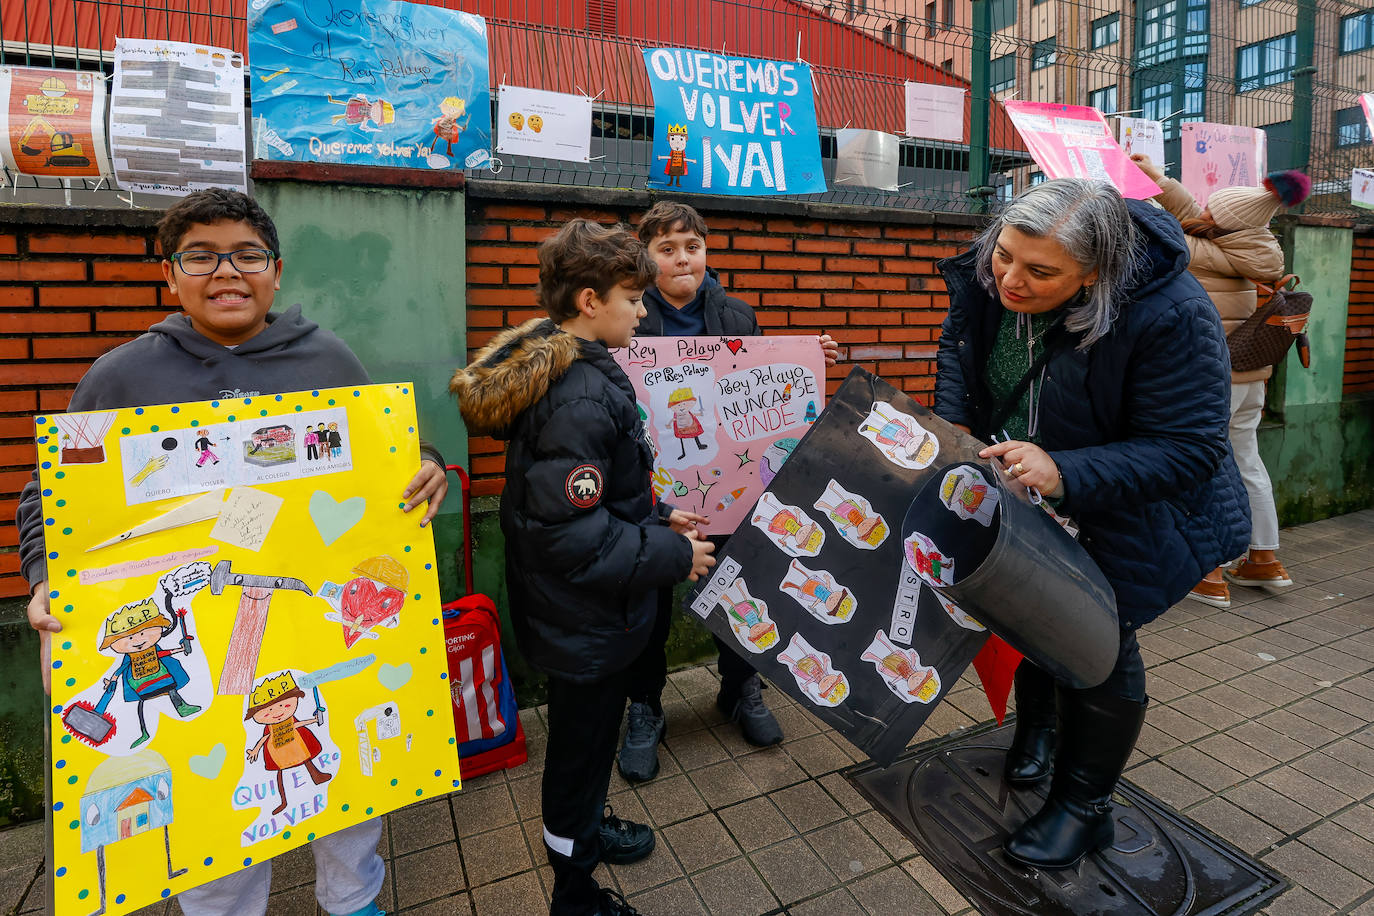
<point>172,362</point>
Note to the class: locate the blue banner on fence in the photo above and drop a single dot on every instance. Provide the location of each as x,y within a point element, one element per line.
<point>733,125</point>
<point>369,82</point>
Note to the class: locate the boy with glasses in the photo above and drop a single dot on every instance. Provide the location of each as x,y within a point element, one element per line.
<point>221,259</point>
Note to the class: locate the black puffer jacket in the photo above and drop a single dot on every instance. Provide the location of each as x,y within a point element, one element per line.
<point>1137,423</point>
<point>724,314</point>
<point>586,542</point>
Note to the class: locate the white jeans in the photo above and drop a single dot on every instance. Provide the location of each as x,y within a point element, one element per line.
<point>1247,403</point>
<point>348,876</point>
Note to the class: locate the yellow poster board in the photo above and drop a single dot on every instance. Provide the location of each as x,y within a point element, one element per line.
<point>252,653</point>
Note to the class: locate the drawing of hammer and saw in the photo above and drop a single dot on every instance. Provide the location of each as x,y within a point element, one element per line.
<point>241,659</point>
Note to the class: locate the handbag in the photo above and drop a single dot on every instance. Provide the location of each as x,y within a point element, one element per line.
<point>1263,339</point>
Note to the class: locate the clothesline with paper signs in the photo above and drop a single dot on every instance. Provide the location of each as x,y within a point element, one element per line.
<point>53,122</point>
<point>550,125</point>
<point>1216,156</point>
<point>1073,141</point>
<point>176,117</point>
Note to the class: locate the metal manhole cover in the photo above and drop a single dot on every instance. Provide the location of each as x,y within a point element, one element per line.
<point>950,799</point>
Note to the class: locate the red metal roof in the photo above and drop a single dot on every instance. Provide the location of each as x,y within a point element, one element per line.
<point>858,79</point>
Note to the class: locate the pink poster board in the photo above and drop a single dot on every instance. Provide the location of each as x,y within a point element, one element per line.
<point>1217,156</point>
<point>1074,141</point>
<point>723,413</point>
<point>1367,103</point>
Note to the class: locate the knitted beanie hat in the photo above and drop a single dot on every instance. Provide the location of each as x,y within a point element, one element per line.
<point>1250,208</point>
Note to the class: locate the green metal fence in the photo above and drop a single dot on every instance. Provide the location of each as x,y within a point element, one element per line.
<point>1292,67</point>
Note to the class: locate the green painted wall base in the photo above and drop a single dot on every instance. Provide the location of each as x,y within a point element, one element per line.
<point>1321,459</point>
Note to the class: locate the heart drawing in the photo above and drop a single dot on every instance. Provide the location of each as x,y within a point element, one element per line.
<point>208,765</point>
<point>735,345</point>
<point>394,677</point>
<point>333,519</point>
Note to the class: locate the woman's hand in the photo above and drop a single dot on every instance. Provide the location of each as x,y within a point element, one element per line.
<point>683,521</point>
<point>1028,463</point>
<point>831,349</point>
<point>1147,166</point>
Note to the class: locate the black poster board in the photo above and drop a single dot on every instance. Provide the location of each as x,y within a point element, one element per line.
<point>819,594</point>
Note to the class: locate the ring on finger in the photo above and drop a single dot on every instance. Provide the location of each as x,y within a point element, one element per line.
<point>1018,469</point>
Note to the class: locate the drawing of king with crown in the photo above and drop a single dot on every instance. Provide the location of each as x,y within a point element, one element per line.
<point>677,160</point>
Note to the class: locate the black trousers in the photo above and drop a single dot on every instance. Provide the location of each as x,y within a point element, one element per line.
<point>1127,679</point>
<point>648,675</point>
<point>584,727</point>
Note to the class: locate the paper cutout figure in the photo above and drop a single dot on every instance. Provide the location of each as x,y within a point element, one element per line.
<point>902,671</point>
<point>677,157</point>
<point>200,509</point>
<point>818,592</point>
<point>205,447</point>
<point>956,613</point>
<point>360,111</point>
<point>124,798</point>
<point>729,498</point>
<point>250,623</point>
<point>967,494</point>
<point>246,518</point>
<point>898,436</point>
<point>286,741</point>
<point>372,599</point>
<point>83,437</point>
<point>146,671</point>
<point>853,517</point>
<point>927,561</point>
<point>788,527</point>
<point>748,618</point>
<point>815,675</point>
<point>388,719</point>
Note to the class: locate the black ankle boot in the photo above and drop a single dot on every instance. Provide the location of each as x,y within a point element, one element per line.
<point>1096,735</point>
<point>1032,743</point>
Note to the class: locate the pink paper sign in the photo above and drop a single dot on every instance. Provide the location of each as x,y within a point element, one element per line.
<point>1367,103</point>
<point>723,413</point>
<point>1217,156</point>
<point>1074,141</point>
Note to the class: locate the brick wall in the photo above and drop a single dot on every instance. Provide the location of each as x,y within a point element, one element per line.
<point>1359,332</point>
<point>871,285</point>
<point>67,295</point>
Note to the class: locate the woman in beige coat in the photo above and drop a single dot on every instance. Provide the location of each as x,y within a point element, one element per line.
<point>1230,246</point>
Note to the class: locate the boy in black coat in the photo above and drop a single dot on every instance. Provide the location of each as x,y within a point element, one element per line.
<point>587,545</point>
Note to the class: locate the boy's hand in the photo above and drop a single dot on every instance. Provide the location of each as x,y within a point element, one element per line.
<point>831,349</point>
<point>429,483</point>
<point>683,521</point>
<point>701,555</point>
<point>46,625</point>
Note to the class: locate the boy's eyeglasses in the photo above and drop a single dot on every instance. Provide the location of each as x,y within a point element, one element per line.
<point>245,260</point>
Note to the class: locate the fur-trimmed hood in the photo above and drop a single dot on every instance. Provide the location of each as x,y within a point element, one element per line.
<point>512,373</point>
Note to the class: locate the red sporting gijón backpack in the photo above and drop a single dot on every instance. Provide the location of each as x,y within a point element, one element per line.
<point>485,717</point>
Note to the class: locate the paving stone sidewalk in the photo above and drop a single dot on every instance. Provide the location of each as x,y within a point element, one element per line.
<point>1259,728</point>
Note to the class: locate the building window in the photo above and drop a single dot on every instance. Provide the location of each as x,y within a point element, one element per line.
<point>932,24</point>
<point>949,13</point>
<point>1002,73</point>
<point>1245,3</point>
<point>1351,127</point>
<point>887,34</point>
<point>947,65</point>
<point>1357,31</point>
<point>1158,37</point>
<point>1003,14</point>
<point>901,33</point>
<point>1104,99</point>
<point>1107,30</point>
<point>1043,53</point>
<point>1266,63</point>
<point>1037,178</point>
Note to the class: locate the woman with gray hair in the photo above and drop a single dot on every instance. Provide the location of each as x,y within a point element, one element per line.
<point>1079,343</point>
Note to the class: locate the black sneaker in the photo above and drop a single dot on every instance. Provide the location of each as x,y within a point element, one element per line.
<point>638,759</point>
<point>623,842</point>
<point>747,708</point>
<point>612,904</point>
